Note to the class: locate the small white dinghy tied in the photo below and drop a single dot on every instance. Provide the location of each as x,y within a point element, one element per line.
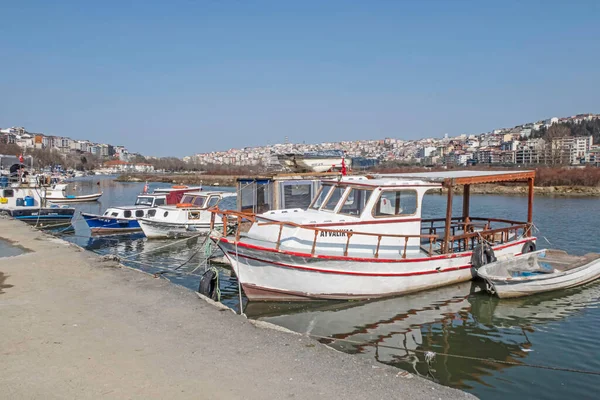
<point>538,272</point>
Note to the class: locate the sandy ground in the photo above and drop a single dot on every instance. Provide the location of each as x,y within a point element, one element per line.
<point>74,326</point>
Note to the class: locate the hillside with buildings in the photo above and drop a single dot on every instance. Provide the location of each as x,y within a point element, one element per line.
<point>555,141</point>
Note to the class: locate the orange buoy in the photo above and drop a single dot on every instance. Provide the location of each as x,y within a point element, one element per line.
<point>184,205</point>
<point>179,187</point>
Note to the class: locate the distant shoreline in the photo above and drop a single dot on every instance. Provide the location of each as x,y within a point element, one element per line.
<point>230,180</point>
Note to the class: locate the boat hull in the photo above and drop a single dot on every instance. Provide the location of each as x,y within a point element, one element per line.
<point>99,224</point>
<point>512,288</point>
<point>268,275</point>
<point>76,199</point>
<point>44,217</point>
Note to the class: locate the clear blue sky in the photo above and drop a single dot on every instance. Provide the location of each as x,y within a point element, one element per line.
<point>182,77</point>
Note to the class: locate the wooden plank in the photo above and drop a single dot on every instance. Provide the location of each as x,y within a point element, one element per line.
<point>508,177</point>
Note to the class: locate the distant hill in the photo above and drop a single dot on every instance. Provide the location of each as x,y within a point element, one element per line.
<point>585,128</point>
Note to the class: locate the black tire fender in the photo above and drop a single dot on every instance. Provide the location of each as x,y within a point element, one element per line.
<point>207,285</point>
<point>528,247</point>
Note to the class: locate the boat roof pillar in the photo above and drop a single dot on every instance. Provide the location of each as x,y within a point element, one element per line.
<point>530,182</point>
<point>445,245</point>
<point>466,201</point>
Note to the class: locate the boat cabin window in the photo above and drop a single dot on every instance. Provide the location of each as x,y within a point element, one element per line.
<point>144,201</point>
<point>8,193</point>
<point>114,214</point>
<point>355,201</point>
<point>127,214</point>
<point>194,215</point>
<point>395,203</point>
<point>320,197</point>
<point>213,201</point>
<point>151,213</point>
<point>139,213</point>
<point>187,199</point>
<point>106,213</point>
<point>335,195</point>
<point>165,214</point>
<point>199,201</point>
<point>159,201</point>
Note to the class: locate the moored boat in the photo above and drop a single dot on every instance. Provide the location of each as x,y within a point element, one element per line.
<point>26,202</point>
<point>363,237</point>
<point>58,194</point>
<point>538,272</point>
<point>124,219</point>
<point>187,218</point>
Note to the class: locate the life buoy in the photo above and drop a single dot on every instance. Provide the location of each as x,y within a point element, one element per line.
<point>184,205</point>
<point>528,247</point>
<point>209,284</point>
<point>482,254</point>
<point>179,187</point>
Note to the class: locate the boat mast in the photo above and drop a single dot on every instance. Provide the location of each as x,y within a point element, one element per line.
<point>450,186</point>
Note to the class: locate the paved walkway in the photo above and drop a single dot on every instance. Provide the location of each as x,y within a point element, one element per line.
<point>73,326</point>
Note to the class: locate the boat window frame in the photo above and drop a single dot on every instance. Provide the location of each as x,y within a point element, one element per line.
<point>204,197</point>
<point>151,213</point>
<point>321,189</point>
<point>347,194</point>
<point>137,213</point>
<point>159,201</point>
<point>219,198</point>
<point>8,193</point>
<point>342,196</point>
<point>127,214</point>
<point>397,189</point>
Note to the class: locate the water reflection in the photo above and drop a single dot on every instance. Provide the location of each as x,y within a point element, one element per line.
<point>457,320</point>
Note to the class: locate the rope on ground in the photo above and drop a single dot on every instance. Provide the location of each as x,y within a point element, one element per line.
<point>429,355</point>
<point>161,247</point>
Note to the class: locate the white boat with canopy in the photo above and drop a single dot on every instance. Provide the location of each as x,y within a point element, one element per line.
<point>187,218</point>
<point>364,237</point>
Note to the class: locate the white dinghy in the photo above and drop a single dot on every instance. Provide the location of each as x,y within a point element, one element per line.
<point>539,271</point>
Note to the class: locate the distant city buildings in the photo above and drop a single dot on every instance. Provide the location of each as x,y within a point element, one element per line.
<point>500,146</point>
<point>64,145</point>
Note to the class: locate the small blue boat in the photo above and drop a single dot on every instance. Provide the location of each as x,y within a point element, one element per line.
<point>125,219</point>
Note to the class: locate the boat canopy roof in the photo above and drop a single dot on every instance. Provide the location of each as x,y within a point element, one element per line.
<point>465,177</point>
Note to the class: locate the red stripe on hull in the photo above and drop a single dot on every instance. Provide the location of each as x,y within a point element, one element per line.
<point>354,273</point>
<point>366,259</point>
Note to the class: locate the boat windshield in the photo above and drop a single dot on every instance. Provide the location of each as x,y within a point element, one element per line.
<point>199,201</point>
<point>320,197</point>
<point>144,201</point>
<point>334,197</point>
<point>355,201</point>
<point>187,199</point>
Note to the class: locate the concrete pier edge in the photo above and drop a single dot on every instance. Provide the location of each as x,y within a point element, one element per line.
<point>74,326</point>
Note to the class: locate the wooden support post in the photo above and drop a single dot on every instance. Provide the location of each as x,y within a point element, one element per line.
<point>530,207</point>
<point>279,237</point>
<point>446,243</point>
<point>378,243</point>
<point>405,246</point>
<point>212,220</point>
<point>466,201</point>
<point>225,225</point>
<point>348,235</point>
<point>312,252</point>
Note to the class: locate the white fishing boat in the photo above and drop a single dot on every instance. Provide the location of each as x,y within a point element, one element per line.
<point>318,161</point>
<point>187,218</point>
<point>538,272</point>
<point>124,219</point>
<point>58,194</point>
<point>24,200</point>
<point>363,237</point>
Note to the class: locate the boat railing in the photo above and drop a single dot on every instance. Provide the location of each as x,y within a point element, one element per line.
<point>473,230</point>
<point>252,218</point>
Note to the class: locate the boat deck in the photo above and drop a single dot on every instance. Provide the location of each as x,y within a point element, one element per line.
<point>560,260</point>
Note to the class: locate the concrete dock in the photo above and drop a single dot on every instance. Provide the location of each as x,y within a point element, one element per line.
<point>75,326</point>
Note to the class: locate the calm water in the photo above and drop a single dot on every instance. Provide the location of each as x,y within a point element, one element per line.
<point>557,329</point>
